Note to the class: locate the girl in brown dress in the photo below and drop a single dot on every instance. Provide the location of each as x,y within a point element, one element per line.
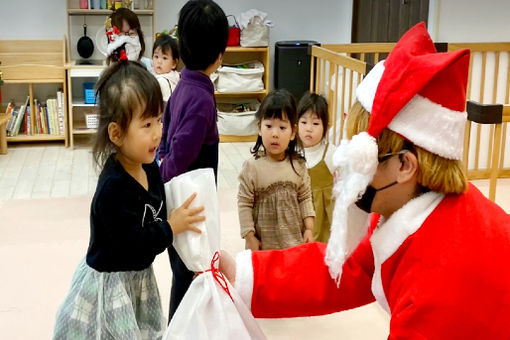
<point>275,198</point>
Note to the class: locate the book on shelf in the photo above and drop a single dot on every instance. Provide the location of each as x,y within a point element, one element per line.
<point>10,111</point>
<point>19,118</point>
<point>60,105</point>
<point>37,124</point>
<point>12,121</point>
<point>49,114</point>
<point>47,119</point>
<point>44,122</point>
<point>52,113</point>
<point>27,120</point>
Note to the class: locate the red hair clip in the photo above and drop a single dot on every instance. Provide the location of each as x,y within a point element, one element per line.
<point>122,55</point>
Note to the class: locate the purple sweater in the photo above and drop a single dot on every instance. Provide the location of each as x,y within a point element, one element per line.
<point>190,134</point>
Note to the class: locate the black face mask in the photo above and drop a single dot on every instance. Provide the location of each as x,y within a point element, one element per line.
<point>365,202</point>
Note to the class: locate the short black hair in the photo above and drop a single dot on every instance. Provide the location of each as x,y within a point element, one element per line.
<point>166,43</point>
<point>279,104</point>
<point>318,105</point>
<point>202,33</point>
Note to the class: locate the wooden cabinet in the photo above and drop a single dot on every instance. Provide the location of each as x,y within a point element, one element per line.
<point>77,76</point>
<point>236,55</point>
<point>25,65</point>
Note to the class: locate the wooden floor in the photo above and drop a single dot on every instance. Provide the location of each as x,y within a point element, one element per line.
<point>51,170</point>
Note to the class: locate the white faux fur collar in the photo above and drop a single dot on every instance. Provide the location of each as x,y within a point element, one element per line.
<point>390,235</point>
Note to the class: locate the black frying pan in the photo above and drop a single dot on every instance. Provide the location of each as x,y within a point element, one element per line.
<point>85,44</point>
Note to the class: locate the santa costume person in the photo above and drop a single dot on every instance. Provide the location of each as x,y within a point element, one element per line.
<point>434,252</point>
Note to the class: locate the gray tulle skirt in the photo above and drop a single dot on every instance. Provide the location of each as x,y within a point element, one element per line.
<point>117,305</point>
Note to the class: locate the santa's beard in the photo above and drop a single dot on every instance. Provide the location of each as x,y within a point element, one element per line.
<point>345,239</point>
<point>357,162</point>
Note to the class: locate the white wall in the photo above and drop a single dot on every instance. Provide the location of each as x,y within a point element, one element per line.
<point>327,21</point>
<point>32,19</point>
<point>473,20</point>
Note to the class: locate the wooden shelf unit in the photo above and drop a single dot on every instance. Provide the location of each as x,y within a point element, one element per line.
<point>74,10</point>
<point>238,54</point>
<point>77,106</point>
<point>34,62</point>
<point>105,12</point>
<point>77,73</point>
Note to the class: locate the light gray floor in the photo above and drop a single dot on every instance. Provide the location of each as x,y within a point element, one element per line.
<point>37,232</point>
<point>51,170</point>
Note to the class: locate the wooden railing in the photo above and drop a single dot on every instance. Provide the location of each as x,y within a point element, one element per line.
<point>496,116</point>
<point>336,77</point>
<point>488,83</point>
<point>337,69</point>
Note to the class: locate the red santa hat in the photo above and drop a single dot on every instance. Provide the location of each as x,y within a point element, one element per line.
<point>419,94</point>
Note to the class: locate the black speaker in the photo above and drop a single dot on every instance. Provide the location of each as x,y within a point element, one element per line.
<point>292,66</point>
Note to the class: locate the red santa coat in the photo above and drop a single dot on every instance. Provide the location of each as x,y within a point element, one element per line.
<point>440,265</point>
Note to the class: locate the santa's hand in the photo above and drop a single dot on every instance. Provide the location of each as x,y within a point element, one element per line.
<point>228,266</point>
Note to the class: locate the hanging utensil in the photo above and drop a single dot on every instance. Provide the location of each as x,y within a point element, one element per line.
<point>85,45</point>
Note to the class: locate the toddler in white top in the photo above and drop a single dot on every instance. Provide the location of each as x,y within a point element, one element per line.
<point>165,57</point>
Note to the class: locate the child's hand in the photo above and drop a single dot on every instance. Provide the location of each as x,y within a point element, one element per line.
<point>252,242</point>
<point>182,218</point>
<point>308,236</point>
<point>228,266</point>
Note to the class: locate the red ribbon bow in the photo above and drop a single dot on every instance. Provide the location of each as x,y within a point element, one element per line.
<point>218,275</point>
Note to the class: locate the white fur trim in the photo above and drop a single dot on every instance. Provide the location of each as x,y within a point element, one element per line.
<point>391,234</point>
<point>365,93</point>
<point>122,39</point>
<point>357,160</point>
<point>432,126</point>
<point>244,276</point>
<point>132,46</point>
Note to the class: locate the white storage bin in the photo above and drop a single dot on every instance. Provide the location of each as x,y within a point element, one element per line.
<point>245,77</point>
<point>237,118</point>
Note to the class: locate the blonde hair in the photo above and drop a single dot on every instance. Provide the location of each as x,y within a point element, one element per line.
<point>435,173</point>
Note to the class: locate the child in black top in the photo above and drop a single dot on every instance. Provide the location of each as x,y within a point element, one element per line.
<point>114,293</point>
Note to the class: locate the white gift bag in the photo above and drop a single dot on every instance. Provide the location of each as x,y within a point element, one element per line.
<point>211,308</point>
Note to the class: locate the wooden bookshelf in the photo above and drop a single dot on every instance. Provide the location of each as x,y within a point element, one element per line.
<point>34,62</point>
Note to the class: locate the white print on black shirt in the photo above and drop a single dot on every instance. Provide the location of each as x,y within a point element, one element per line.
<point>153,211</point>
